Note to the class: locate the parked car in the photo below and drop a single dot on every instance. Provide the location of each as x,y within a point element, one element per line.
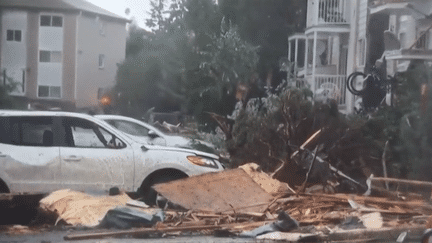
<point>43,151</point>
<point>144,132</point>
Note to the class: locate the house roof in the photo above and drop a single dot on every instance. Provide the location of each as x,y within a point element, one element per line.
<point>60,5</point>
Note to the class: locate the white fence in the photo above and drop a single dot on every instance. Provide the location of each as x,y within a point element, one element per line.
<point>330,87</point>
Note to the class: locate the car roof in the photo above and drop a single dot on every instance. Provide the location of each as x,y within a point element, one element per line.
<point>30,113</point>
<point>41,113</point>
<point>125,118</point>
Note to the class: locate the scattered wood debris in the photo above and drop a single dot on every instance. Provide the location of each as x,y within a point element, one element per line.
<point>321,217</point>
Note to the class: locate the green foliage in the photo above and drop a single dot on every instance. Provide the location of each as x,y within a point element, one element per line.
<point>186,63</point>
<point>415,126</point>
<point>266,23</point>
<point>406,126</point>
<point>265,131</point>
<point>7,101</point>
<point>228,60</point>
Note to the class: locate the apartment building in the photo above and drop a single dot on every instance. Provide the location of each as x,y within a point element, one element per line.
<point>61,53</point>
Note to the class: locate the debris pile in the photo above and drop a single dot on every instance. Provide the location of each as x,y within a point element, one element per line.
<point>246,202</point>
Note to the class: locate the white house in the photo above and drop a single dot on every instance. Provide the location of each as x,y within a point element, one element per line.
<point>344,36</point>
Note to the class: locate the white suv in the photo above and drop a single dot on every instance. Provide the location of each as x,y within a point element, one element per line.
<point>42,151</point>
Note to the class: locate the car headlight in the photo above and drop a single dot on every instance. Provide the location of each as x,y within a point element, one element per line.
<point>202,161</point>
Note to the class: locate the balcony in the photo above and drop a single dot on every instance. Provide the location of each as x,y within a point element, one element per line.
<point>327,12</point>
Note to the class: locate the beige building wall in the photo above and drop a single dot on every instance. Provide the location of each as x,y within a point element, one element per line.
<point>32,54</point>
<point>97,36</point>
<point>69,57</point>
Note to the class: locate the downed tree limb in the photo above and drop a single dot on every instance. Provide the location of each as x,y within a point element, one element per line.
<point>340,173</point>
<point>403,181</point>
<point>309,140</point>
<point>384,164</point>
<point>309,171</point>
<point>377,235</point>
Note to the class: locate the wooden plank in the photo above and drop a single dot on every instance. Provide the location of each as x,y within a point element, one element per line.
<point>403,181</point>
<point>99,235</point>
<point>230,190</point>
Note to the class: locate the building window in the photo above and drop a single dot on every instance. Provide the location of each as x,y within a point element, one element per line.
<point>101,61</point>
<point>50,56</point>
<point>102,28</point>
<point>13,35</point>
<point>49,91</point>
<point>421,41</point>
<point>361,58</point>
<point>48,20</point>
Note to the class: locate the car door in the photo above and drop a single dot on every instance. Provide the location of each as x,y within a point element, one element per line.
<point>29,153</point>
<point>94,159</point>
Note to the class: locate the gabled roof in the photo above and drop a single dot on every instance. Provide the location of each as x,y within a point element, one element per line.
<point>60,5</point>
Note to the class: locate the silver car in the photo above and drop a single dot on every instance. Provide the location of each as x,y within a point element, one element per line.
<point>146,133</point>
<point>42,151</point>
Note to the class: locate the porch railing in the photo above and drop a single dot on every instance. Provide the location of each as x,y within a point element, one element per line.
<point>330,87</point>
<point>328,12</point>
<point>381,2</point>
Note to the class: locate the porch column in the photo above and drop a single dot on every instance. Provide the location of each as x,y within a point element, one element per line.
<point>296,53</point>
<point>336,55</point>
<point>314,51</point>
<point>289,50</point>
<point>306,55</point>
<point>289,63</point>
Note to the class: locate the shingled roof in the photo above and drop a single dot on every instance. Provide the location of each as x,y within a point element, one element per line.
<point>60,5</point>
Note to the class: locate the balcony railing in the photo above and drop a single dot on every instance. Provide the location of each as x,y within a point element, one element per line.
<point>330,87</point>
<point>328,12</point>
<point>382,2</point>
<point>332,11</point>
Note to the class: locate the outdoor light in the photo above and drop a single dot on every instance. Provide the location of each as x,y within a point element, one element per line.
<point>105,100</point>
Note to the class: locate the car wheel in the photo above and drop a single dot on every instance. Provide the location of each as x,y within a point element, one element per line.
<point>149,194</point>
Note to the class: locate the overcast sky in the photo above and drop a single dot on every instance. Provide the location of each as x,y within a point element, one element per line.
<point>138,8</point>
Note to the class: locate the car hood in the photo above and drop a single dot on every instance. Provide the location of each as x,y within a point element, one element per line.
<point>192,151</point>
<point>172,140</point>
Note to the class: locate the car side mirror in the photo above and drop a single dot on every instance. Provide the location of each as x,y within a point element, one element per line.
<point>152,134</point>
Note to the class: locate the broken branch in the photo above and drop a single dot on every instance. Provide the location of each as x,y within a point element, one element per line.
<point>384,164</point>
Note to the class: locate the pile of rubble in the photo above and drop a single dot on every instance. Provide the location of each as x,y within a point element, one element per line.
<point>246,202</point>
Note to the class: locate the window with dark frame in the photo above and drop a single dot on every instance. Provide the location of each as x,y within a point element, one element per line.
<point>44,56</point>
<point>13,35</point>
<point>48,20</point>
<point>57,21</point>
<point>30,131</point>
<point>361,59</point>
<point>45,91</point>
<point>45,20</point>
<point>50,56</point>
<point>86,134</point>
<point>101,61</point>
<point>17,35</point>
<point>10,35</point>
